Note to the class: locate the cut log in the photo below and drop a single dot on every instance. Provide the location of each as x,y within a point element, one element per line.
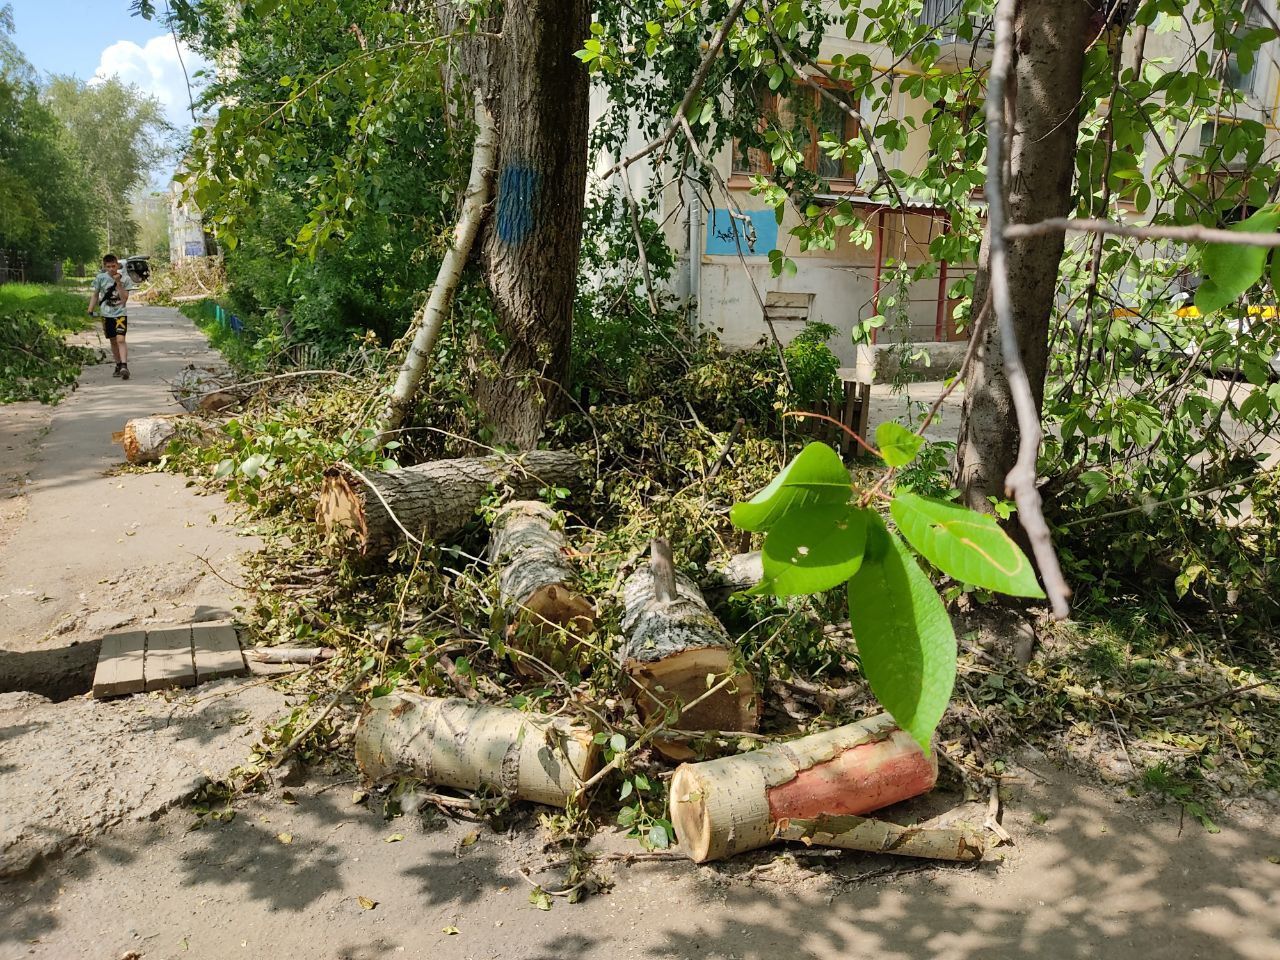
<point>726,806</point>
<point>431,500</point>
<point>742,571</point>
<point>881,836</point>
<point>543,612</point>
<point>675,651</point>
<point>144,439</point>
<point>466,745</point>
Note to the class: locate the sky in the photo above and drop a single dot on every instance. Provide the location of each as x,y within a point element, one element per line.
<point>101,38</point>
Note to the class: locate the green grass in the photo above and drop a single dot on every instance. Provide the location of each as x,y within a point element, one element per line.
<point>250,351</point>
<point>36,363</point>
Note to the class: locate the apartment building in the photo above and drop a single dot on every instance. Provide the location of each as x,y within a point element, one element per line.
<point>722,278</point>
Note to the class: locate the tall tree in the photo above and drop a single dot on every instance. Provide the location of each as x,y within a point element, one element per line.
<point>45,200</point>
<point>1050,37</point>
<point>537,92</point>
<point>122,135</point>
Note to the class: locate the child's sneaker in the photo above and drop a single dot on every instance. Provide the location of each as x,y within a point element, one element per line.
<point>118,366</point>
<point>124,371</point>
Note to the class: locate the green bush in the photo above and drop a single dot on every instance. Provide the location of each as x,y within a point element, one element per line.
<point>35,361</point>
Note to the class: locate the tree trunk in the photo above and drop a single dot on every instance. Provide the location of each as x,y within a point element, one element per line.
<point>739,803</point>
<point>532,240</point>
<point>430,500</point>
<point>1050,37</point>
<point>544,614</point>
<point>435,311</point>
<point>456,743</point>
<point>676,651</point>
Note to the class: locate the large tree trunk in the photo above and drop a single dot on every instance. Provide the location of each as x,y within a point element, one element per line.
<point>432,500</point>
<point>1050,37</point>
<point>531,242</point>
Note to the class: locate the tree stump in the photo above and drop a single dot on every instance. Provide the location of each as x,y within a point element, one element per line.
<point>738,803</point>
<point>144,439</point>
<point>466,745</point>
<point>675,650</point>
<point>432,500</point>
<point>544,613</point>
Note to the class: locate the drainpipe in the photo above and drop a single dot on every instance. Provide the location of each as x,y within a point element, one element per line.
<point>694,303</point>
<point>941,327</point>
<point>875,291</point>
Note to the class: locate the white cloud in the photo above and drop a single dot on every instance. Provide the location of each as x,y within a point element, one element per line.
<point>156,69</point>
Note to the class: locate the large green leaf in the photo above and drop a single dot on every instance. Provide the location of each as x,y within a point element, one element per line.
<point>1231,268</point>
<point>905,639</point>
<point>812,549</point>
<point>965,544</point>
<point>816,475</point>
<point>898,445</point>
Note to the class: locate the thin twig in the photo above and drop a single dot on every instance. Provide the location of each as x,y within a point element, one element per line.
<point>280,376</point>
<point>975,337</point>
<point>728,446</point>
<point>1208,701</point>
<point>1184,234</point>
<point>847,429</point>
<point>1021,481</point>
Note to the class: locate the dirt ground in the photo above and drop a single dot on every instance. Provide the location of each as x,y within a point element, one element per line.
<point>85,548</point>
<point>1092,872</point>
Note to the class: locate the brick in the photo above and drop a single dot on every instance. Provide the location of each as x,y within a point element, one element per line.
<point>217,652</point>
<point>120,663</point>
<point>169,662</point>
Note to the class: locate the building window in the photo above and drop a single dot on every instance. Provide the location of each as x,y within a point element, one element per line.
<point>809,118</point>
<point>1233,73</point>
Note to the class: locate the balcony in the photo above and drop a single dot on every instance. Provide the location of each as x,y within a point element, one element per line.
<point>962,38</point>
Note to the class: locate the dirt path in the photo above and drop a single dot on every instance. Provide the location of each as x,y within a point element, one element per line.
<point>1093,872</point>
<point>1089,877</point>
<point>84,548</point>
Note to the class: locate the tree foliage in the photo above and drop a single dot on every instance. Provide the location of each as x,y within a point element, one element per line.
<point>45,201</point>
<point>120,135</point>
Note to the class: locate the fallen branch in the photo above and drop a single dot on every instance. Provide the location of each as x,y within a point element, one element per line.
<point>436,309</point>
<point>467,746</point>
<point>738,803</point>
<point>881,836</point>
<point>304,655</point>
<point>433,500</point>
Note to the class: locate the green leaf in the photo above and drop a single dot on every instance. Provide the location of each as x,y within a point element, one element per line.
<point>905,639</point>
<point>898,445</point>
<point>812,549</point>
<point>965,544</point>
<point>1230,268</point>
<point>816,475</point>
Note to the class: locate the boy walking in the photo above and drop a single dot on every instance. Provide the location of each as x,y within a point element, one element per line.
<point>110,296</point>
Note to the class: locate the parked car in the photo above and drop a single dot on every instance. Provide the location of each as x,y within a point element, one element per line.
<point>138,268</point>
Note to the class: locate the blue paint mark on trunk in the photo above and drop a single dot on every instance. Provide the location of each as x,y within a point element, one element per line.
<point>517,186</point>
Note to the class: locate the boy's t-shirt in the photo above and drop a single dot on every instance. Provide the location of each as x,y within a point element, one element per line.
<point>109,304</point>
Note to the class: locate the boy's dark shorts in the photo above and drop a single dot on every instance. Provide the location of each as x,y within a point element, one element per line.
<point>114,327</point>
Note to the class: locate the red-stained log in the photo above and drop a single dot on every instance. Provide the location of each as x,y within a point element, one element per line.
<point>739,803</point>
